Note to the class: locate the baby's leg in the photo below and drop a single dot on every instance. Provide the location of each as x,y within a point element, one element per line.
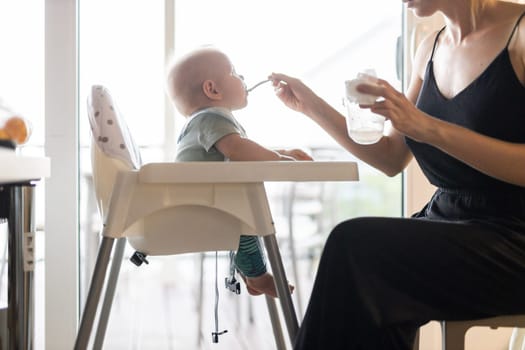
<point>251,263</point>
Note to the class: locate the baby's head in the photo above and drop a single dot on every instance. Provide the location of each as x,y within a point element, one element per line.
<point>205,78</point>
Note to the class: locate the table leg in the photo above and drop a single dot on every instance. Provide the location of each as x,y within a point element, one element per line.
<point>20,292</point>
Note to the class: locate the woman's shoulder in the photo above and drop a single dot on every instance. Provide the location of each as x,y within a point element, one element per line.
<point>506,11</point>
<point>510,7</point>
<point>514,14</point>
<point>424,51</point>
<point>428,41</point>
<point>517,13</point>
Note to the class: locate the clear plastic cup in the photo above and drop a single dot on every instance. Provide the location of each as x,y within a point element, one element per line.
<point>364,127</point>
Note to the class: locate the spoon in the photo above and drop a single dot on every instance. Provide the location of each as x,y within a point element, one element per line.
<point>259,83</point>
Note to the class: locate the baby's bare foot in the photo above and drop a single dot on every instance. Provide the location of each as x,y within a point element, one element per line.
<point>263,284</point>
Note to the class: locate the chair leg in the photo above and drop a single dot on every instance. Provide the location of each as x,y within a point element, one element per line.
<point>95,289</point>
<point>453,338</point>
<point>517,339</point>
<point>200,298</point>
<point>416,341</point>
<point>293,251</point>
<point>276,324</point>
<point>111,285</point>
<point>281,282</point>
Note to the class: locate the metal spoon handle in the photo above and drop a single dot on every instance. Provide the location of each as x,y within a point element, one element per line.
<point>259,83</point>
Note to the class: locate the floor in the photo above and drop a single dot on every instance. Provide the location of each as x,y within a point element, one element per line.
<point>156,307</point>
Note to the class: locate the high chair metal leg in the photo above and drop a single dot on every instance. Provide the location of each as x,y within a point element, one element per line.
<point>293,251</point>
<point>517,339</point>
<point>416,341</point>
<point>97,283</point>
<point>453,337</point>
<point>276,324</point>
<point>111,285</point>
<point>200,297</point>
<point>281,282</point>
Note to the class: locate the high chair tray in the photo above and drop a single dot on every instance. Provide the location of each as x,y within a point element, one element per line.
<point>250,171</point>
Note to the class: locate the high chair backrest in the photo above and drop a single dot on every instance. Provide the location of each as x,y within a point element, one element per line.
<point>112,146</point>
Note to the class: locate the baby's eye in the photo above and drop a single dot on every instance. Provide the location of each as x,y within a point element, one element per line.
<point>234,74</point>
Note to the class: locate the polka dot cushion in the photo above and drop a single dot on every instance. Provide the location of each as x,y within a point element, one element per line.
<point>109,128</point>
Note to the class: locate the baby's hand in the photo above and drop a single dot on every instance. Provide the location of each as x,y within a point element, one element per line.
<point>296,154</point>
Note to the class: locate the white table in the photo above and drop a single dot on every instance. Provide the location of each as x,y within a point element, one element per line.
<point>17,176</point>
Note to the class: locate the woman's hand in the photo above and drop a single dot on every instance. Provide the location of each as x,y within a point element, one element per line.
<point>293,92</point>
<point>406,118</point>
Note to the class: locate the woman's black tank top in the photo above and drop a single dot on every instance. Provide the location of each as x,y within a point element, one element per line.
<point>493,105</point>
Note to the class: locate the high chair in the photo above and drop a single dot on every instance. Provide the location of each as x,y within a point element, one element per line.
<point>453,332</point>
<point>174,208</point>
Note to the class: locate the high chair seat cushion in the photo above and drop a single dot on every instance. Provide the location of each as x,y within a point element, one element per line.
<point>110,132</point>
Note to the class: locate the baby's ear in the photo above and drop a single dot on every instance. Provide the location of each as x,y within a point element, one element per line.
<point>210,90</point>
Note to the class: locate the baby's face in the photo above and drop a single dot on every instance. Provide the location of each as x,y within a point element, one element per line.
<point>234,89</point>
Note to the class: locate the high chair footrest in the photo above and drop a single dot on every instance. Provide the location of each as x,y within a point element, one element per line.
<point>138,258</point>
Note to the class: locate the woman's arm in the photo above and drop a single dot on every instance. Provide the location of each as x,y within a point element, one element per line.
<point>502,160</point>
<point>390,155</point>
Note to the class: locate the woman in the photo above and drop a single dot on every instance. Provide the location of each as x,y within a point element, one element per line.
<point>463,255</point>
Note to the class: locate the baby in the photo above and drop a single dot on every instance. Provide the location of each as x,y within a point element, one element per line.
<point>205,88</point>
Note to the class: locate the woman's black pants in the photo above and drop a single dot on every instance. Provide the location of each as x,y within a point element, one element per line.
<point>379,279</point>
